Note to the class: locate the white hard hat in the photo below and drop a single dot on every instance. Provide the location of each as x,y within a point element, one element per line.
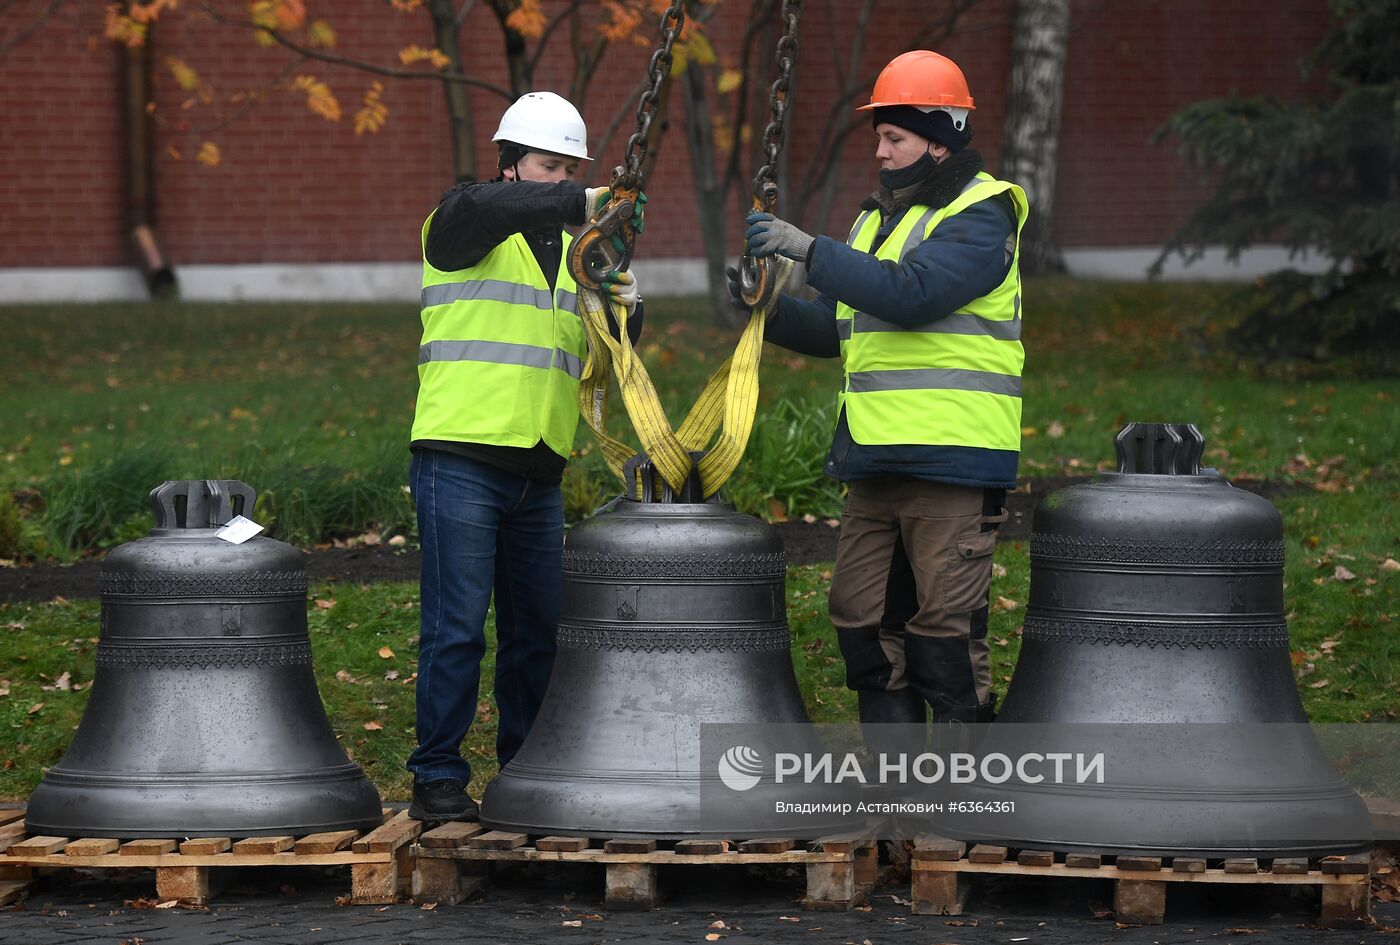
<point>543,121</point>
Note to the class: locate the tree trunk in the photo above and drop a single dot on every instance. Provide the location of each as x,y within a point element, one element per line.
<point>447,34</point>
<point>709,200</point>
<point>1031,138</point>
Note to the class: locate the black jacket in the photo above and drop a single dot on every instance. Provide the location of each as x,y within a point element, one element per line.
<point>471,220</point>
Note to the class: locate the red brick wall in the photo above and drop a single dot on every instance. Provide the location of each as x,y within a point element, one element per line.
<point>295,188</point>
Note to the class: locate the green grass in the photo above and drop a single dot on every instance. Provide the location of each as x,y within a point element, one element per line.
<point>312,404</point>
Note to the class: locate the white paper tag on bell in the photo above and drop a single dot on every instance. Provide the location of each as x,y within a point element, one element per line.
<point>238,530</point>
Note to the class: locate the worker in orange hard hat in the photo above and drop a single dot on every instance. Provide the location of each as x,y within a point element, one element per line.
<point>923,305</point>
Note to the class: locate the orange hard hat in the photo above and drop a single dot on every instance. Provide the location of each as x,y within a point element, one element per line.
<point>924,79</point>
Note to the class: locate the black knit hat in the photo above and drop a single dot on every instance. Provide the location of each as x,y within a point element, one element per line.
<point>937,125</point>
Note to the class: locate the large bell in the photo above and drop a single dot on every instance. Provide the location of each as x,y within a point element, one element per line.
<point>1157,597</point>
<point>673,615</point>
<point>204,718</point>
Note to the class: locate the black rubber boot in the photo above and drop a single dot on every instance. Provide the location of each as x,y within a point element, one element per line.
<point>438,801</point>
<point>892,722</point>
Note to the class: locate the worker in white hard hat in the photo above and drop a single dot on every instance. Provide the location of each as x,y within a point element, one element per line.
<point>498,367</point>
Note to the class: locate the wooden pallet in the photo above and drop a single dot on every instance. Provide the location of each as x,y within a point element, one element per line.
<point>454,860</point>
<point>379,862</point>
<point>941,868</point>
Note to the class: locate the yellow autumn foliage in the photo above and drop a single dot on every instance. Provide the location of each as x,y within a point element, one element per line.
<point>319,97</point>
<point>185,77</point>
<point>371,117</point>
<point>414,53</point>
<point>729,80</point>
<point>120,28</point>
<point>527,19</point>
<point>320,33</point>
<point>209,154</point>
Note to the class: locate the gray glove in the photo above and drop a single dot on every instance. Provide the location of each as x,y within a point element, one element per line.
<point>767,235</point>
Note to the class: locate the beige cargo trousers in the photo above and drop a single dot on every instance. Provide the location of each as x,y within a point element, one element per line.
<point>909,596</point>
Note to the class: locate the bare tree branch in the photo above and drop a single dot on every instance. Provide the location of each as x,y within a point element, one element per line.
<point>554,24</point>
<point>759,16</point>
<point>252,99</point>
<point>29,30</point>
<point>358,64</point>
<point>464,12</point>
<point>625,107</point>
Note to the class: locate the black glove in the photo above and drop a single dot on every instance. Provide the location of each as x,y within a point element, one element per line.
<point>736,296</point>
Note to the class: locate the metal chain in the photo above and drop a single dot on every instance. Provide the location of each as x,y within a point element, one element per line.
<point>765,187</point>
<point>671,22</point>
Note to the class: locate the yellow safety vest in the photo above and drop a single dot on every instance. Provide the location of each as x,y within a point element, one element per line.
<point>501,354</point>
<point>953,382</point>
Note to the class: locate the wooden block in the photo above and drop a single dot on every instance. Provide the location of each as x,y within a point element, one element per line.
<point>328,842</point>
<point>403,859</point>
<point>11,815</point>
<point>1189,864</point>
<point>13,891</point>
<point>1083,861</point>
<point>984,853</point>
<point>437,879</point>
<point>263,845</point>
<point>153,847</point>
<point>562,844</point>
<point>629,846</point>
<point>830,883</point>
<point>205,846</point>
<point>1356,864</point>
<point>1140,864</point>
<point>1346,904</point>
<point>190,883</point>
<point>1290,865</point>
<point>1241,865</point>
<point>395,832</point>
<point>11,834</point>
<point>449,835</point>
<point>867,865</point>
<point>1140,902</point>
<point>938,892</point>
<point>92,846</point>
<point>497,840</point>
<point>38,846</point>
<point>767,845</point>
<point>374,883</point>
<point>938,849</point>
<point>1035,858</point>
<point>843,842</point>
<point>631,885</point>
<point>701,847</point>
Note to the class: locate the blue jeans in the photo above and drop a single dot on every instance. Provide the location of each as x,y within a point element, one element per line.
<point>482,529</point>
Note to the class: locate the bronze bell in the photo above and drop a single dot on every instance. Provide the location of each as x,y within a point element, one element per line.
<point>204,718</point>
<point>1155,633</point>
<point>673,616</point>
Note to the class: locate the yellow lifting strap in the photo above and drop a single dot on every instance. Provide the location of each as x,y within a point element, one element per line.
<point>726,404</point>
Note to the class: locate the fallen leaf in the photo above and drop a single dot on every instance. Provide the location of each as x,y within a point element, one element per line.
<point>391,675</point>
<point>718,924</point>
<point>35,707</point>
<point>1342,574</point>
<point>325,603</point>
<point>1390,564</point>
<point>344,675</point>
<point>571,923</point>
<point>373,727</point>
<point>713,936</point>
<point>168,904</point>
<point>428,906</point>
<point>998,570</point>
<point>398,540</point>
<point>1055,430</point>
<point>385,653</point>
<point>1320,684</point>
<point>1006,603</point>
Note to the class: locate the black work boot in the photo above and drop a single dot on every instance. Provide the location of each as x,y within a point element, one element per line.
<point>892,724</point>
<point>436,801</point>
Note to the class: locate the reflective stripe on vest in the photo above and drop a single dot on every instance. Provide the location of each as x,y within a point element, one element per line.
<point>955,381</point>
<point>501,354</point>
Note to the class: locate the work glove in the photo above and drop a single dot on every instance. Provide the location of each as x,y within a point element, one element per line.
<point>736,295</point>
<point>595,199</point>
<point>622,287</point>
<point>767,236</point>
